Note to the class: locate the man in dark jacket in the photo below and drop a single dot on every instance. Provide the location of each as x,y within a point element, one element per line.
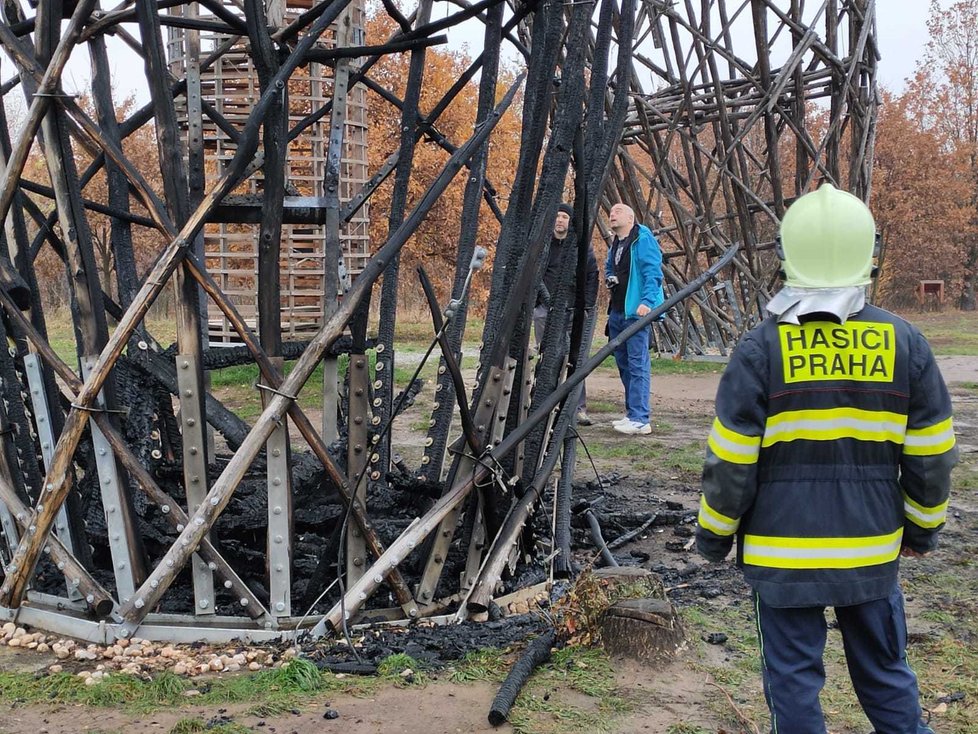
<point>563,252</point>
<point>830,457</point>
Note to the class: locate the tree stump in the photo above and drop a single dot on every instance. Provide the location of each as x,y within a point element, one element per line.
<point>647,630</point>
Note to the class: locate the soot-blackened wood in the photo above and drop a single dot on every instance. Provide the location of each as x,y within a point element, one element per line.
<point>98,599</point>
<point>91,330</point>
<point>536,654</point>
<point>56,54</point>
<point>220,493</point>
<point>582,331</point>
<point>332,247</point>
<point>513,236</point>
<point>496,560</point>
<point>120,234</point>
<point>451,364</point>
<point>384,394</point>
<point>15,584</point>
<point>567,119</point>
<point>359,592</point>
<point>138,474</point>
<point>189,322</point>
<point>26,476</point>
<point>275,148</point>
<point>507,320</point>
<point>422,527</point>
<point>272,375</point>
<point>434,454</point>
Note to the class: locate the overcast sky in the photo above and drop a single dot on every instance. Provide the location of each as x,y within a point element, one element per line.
<point>901,26</point>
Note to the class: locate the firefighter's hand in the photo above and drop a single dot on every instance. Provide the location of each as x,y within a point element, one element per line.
<point>642,310</point>
<point>910,553</point>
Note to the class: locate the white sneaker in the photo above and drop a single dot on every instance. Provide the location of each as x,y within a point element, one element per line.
<point>621,421</point>
<point>633,428</point>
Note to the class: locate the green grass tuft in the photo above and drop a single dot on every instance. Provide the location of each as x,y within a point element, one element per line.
<point>485,665</point>
<point>188,726</point>
<point>393,667</point>
<point>297,675</point>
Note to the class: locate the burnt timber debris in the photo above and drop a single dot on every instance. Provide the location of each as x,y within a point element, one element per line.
<point>121,515</point>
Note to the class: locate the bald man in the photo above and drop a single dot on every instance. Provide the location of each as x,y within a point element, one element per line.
<point>633,273</point>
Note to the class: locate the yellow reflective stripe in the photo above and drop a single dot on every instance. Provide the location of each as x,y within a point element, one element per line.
<point>930,440</point>
<point>815,553</point>
<point>925,517</point>
<point>834,423</point>
<point>715,522</point>
<point>731,446</point>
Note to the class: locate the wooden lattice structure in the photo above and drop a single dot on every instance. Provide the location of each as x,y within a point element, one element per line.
<point>231,247</point>
<point>117,517</point>
<point>740,107</point>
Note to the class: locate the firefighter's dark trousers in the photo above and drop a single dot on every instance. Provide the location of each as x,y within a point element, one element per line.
<point>874,635</point>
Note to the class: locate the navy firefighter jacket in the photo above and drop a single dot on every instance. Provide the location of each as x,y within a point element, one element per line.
<point>832,448</point>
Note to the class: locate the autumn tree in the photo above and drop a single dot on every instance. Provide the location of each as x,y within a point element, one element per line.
<point>943,96</point>
<point>140,148</point>
<point>920,200</point>
<point>434,244</point>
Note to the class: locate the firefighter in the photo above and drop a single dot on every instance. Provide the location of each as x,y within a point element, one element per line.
<point>829,458</point>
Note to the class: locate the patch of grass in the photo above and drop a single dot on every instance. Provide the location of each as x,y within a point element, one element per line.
<point>937,616</point>
<point>237,376</point>
<point>949,333</point>
<point>268,709</point>
<point>297,675</point>
<point>684,728</point>
<point>541,707</point>
<point>602,406</point>
<point>963,478</point>
<point>687,459</point>
<point>544,713</point>
<point>486,664</point>
<point>624,449</point>
<point>167,688</point>
<point>188,726</point>
<point>420,426</point>
<point>192,726</point>
<point>273,690</point>
<point>670,366</point>
<point>113,691</point>
<point>394,666</point>
<point>587,670</point>
<point>644,455</point>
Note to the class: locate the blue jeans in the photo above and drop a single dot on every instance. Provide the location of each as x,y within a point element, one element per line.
<point>634,367</point>
<point>874,636</point>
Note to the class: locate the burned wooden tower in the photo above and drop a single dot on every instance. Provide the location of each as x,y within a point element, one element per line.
<point>121,518</point>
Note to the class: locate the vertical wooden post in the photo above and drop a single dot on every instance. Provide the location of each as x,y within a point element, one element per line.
<point>332,249</point>
<point>190,378</point>
<point>91,331</point>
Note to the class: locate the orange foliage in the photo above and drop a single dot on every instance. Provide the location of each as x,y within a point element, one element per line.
<point>926,176</point>
<point>920,200</point>
<point>435,242</point>
<point>140,148</point>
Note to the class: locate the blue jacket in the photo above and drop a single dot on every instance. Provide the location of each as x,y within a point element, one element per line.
<point>645,272</point>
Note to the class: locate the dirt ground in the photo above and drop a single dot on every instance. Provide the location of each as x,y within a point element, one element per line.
<point>709,687</point>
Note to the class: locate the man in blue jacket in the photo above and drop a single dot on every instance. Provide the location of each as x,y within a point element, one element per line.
<point>633,274</point>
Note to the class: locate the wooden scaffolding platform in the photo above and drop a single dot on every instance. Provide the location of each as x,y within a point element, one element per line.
<point>231,248</point>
